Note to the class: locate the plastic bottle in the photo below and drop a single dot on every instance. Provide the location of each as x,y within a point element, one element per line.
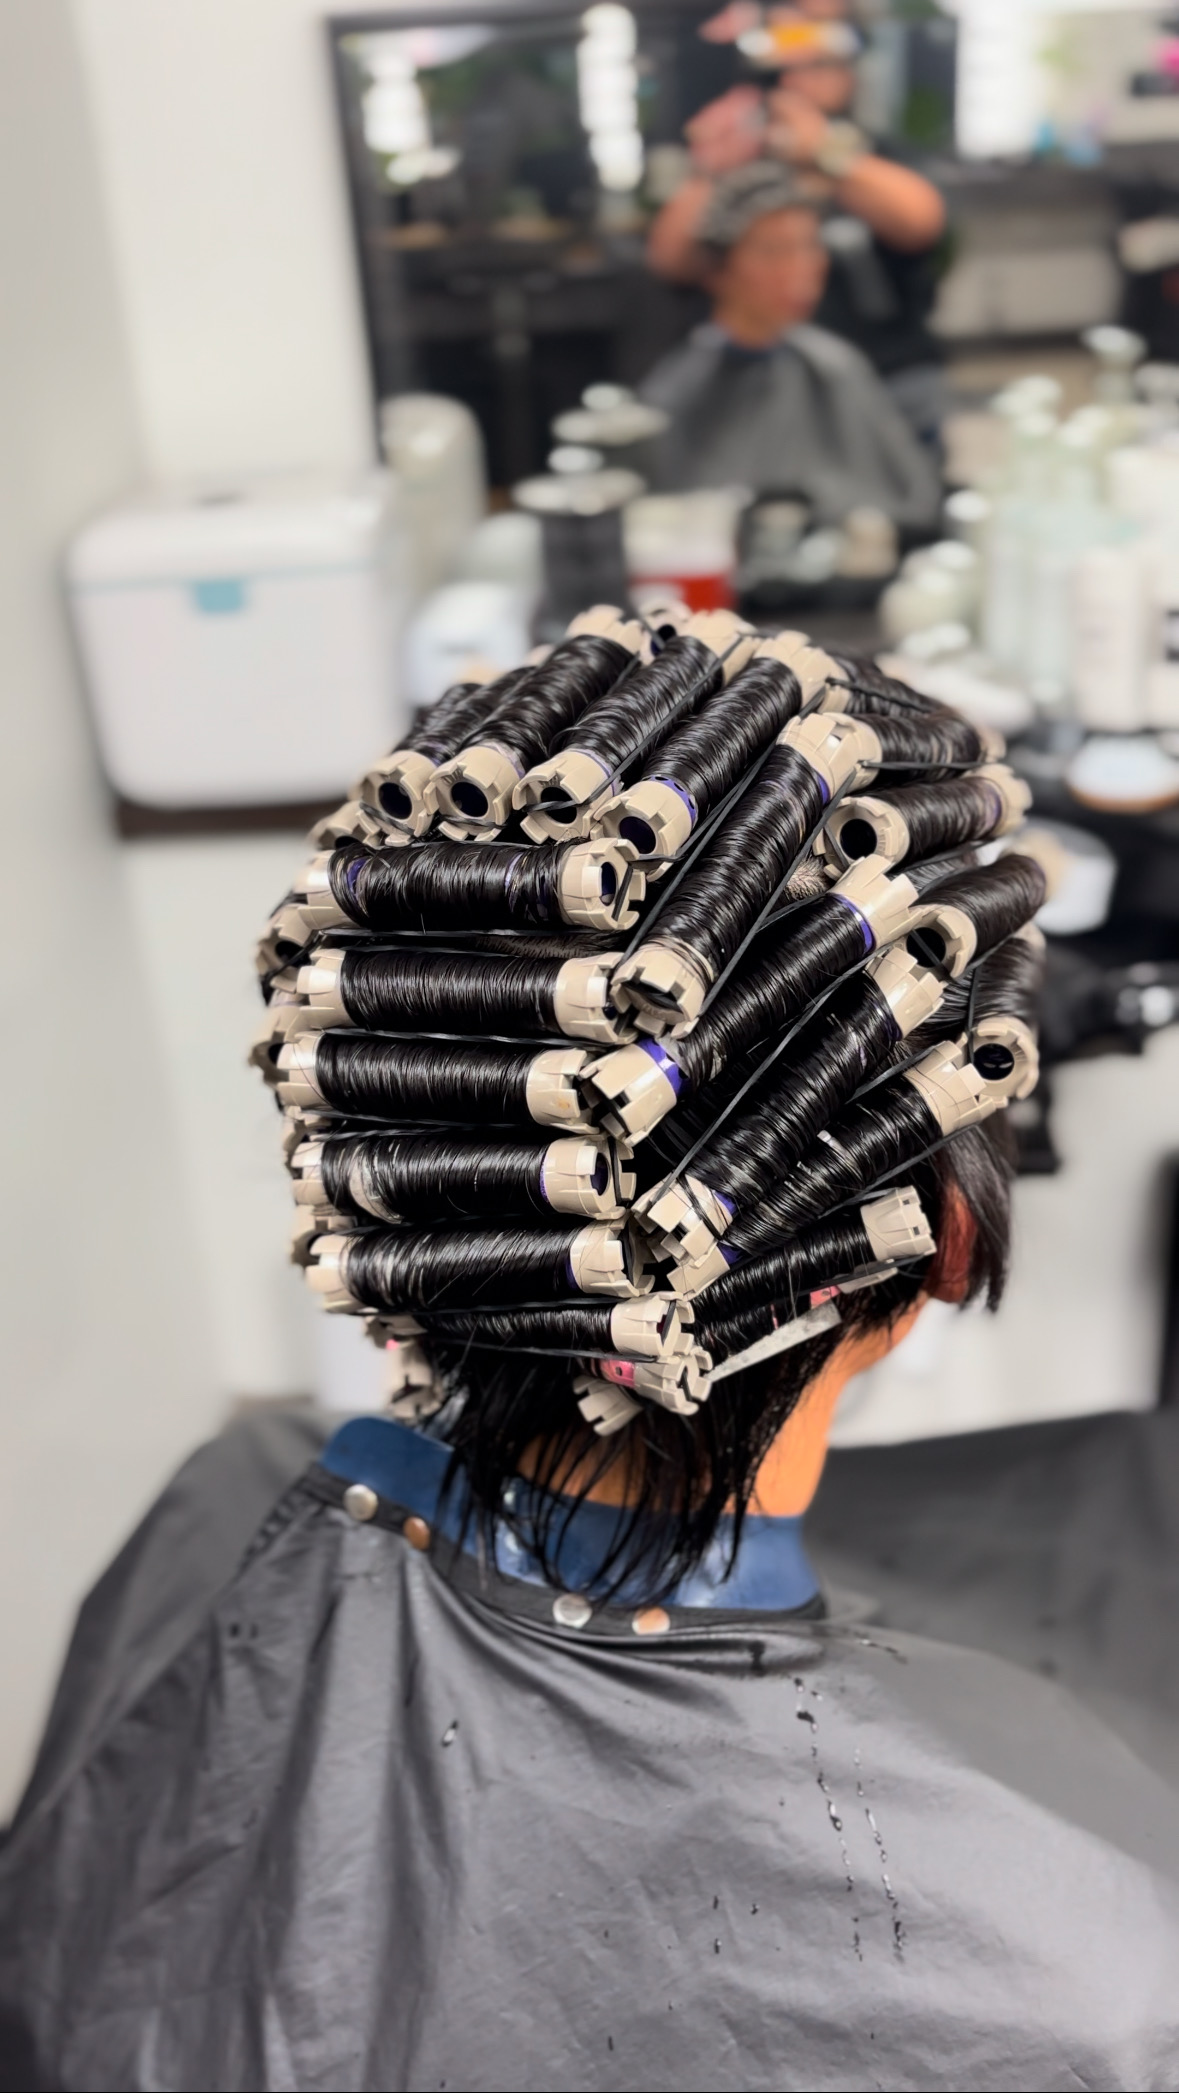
<point>1108,601</point>
<point>1162,639</point>
<point>1071,520</point>
<point>1014,520</point>
<point>1144,488</point>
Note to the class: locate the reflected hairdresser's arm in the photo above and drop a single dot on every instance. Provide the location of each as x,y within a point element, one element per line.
<point>672,248</point>
<point>726,134</point>
<point>900,206</point>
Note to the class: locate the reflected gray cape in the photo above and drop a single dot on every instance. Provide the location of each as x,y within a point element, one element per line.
<point>808,414</point>
<point>351,1815</point>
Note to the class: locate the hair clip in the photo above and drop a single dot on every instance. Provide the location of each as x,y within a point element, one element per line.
<point>687,1219</point>
<point>311,1226</point>
<point>583,1176</point>
<point>282,1021</point>
<point>947,934</point>
<point>607,1259</point>
<point>632,1089</point>
<point>883,899</point>
<point>1004,1050</point>
<point>600,884</point>
<point>398,785</point>
<point>472,792</point>
<point>581,1000</point>
<point>310,908</point>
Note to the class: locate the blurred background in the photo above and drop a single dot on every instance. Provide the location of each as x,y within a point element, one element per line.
<point>342,352</point>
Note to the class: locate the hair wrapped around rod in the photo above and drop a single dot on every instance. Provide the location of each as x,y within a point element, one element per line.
<point>634,1088</point>
<point>931,745</point>
<point>367,1077</point>
<point>651,1328</point>
<point>868,1141</point>
<point>394,1270</point>
<point>785,1111</point>
<point>915,821</point>
<point>1005,981</point>
<point>433,1177</point>
<point>561,795</point>
<point>390,989</point>
<point>701,762</point>
<point>866,687</point>
<point>473,790</point>
<point>440,729</point>
<point>703,920</point>
<point>994,900</point>
<point>441,886</point>
<point>396,785</point>
<point>744,1303</point>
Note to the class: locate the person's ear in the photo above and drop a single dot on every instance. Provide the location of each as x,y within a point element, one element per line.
<point>949,1278</point>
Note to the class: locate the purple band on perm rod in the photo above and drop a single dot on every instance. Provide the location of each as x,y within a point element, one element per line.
<point>861,919</point>
<point>689,802</point>
<point>664,1063</point>
<point>780,785</point>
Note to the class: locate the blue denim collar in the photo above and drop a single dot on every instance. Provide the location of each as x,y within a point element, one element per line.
<point>771,1573</point>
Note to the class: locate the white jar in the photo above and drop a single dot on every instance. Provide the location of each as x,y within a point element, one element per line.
<point>1109,622</point>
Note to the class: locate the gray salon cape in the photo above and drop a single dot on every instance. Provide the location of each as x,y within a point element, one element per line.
<point>808,414</point>
<point>339,1813</point>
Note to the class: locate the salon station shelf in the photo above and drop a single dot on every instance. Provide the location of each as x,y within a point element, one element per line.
<point>1144,915</point>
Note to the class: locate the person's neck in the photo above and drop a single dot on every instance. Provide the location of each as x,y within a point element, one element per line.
<point>792,1469</point>
<point>749,330</point>
<point>788,1476</point>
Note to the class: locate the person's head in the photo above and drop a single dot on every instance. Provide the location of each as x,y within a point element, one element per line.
<point>769,265</point>
<point>774,1109</point>
<point>828,83</point>
<point>812,47</point>
<point>821,64</point>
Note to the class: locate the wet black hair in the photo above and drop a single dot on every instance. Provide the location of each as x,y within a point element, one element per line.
<point>808,1122</point>
<point>690,1472</point>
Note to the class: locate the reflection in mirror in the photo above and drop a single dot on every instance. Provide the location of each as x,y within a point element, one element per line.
<point>504,172</point>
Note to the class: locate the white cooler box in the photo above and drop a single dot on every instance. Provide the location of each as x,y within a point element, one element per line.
<point>240,643</point>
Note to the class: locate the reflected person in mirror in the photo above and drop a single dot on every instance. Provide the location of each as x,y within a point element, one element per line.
<point>886,218</point>
<point>762,397</point>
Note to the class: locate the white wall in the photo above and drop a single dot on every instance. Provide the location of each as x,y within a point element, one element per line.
<point>198,904</point>
<point>223,179</point>
<point>105,1368</point>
